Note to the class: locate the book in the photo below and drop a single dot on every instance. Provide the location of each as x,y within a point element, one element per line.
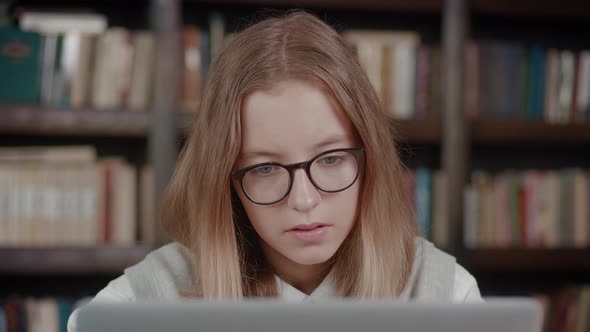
<point>124,204</point>
<point>65,196</point>
<point>472,89</point>
<point>566,82</point>
<point>583,95</point>
<point>515,80</point>
<point>423,77</point>
<point>502,234</point>
<point>82,71</point>
<point>541,209</point>
<point>423,201</point>
<point>59,23</point>
<point>51,50</point>
<point>191,73</point>
<point>139,97</point>
<point>389,59</point>
<point>35,314</point>
<point>580,215</point>
<point>510,80</point>
<point>3,322</point>
<point>62,49</point>
<point>551,86</point>
<point>147,209</point>
<point>19,65</point>
<point>112,71</point>
<point>440,220</point>
<point>4,207</point>
<point>65,308</point>
<point>536,85</point>
<point>471,215</point>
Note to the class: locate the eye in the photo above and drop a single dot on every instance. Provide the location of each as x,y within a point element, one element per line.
<point>263,170</point>
<point>330,160</point>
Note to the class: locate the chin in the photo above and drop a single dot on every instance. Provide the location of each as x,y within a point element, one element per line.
<point>317,256</point>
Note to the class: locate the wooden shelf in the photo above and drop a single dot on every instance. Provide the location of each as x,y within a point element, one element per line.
<point>407,131</point>
<point>59,261</point>
<point>526,260</point>
<point>548,8</point>
<point>36,120</point>
<point>518,131</point>
<point>389,5</point>
<point>418,131</point>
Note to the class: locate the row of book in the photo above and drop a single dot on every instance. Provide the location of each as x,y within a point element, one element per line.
<point>66,196</point>
<point>566,310</point>
<point>541,209</point>
<point>400,71</point>
<point>513,81</point>
<point>18,314</point>
<point>74,61</point>
<point>502,79</point>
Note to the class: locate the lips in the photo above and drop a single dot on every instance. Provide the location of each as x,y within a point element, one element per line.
<point>308,227</point>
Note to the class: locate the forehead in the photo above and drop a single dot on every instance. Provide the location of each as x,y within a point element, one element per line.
<point>292,118</point>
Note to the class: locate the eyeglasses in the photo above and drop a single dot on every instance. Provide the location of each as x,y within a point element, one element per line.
<point>330,171</point>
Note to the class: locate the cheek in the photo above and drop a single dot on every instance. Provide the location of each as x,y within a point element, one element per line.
<point>260,216</point>
<point>345,204</point>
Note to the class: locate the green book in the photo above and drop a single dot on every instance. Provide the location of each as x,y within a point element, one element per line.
<point>19,65</point>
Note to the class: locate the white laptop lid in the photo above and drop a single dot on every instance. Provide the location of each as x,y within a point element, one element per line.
<point>506,315</point>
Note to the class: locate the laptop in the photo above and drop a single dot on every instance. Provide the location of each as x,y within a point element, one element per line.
<point>506,315</point>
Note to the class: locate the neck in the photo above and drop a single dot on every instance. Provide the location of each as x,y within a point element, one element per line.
<point>305,278</point>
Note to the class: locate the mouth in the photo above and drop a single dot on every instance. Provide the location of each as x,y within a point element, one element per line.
<point>308,227</point>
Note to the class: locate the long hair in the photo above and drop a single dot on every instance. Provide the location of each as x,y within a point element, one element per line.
<point>201,211</point>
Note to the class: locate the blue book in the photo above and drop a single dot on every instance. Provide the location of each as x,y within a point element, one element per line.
<point>539,63</point>
<point>64,310</point>
<point>531,78</point>
<point>423,201</point>
<point>3,327</point>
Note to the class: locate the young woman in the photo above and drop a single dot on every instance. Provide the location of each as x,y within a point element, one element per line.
<point>290,186</point>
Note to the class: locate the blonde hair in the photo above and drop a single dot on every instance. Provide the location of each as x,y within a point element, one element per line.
<point>201,211</point>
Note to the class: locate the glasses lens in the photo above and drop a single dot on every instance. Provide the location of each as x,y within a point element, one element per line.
<point>334,171</point>
<point>266,184</point>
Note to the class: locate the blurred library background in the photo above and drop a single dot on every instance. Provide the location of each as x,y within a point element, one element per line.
<point>490,101</point>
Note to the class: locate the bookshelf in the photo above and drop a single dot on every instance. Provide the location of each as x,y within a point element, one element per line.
<point>433,6</point>
<point>70,261</point>
<point>530,132</point>
<point>528,8</point>
<point>528,260</point>
<point>508,145</point>
<point>70,273</point>
<point>37,120</point>
<point>408,131</point>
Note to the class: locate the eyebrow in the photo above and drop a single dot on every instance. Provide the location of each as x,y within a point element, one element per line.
<point>326,142</point>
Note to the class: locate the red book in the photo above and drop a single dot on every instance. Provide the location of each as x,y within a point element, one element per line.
<point>423,77</point>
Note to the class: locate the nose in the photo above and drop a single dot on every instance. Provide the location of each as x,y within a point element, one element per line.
<point>303,196</point>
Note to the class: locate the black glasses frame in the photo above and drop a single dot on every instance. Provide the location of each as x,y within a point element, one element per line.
<point>356,152</point>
